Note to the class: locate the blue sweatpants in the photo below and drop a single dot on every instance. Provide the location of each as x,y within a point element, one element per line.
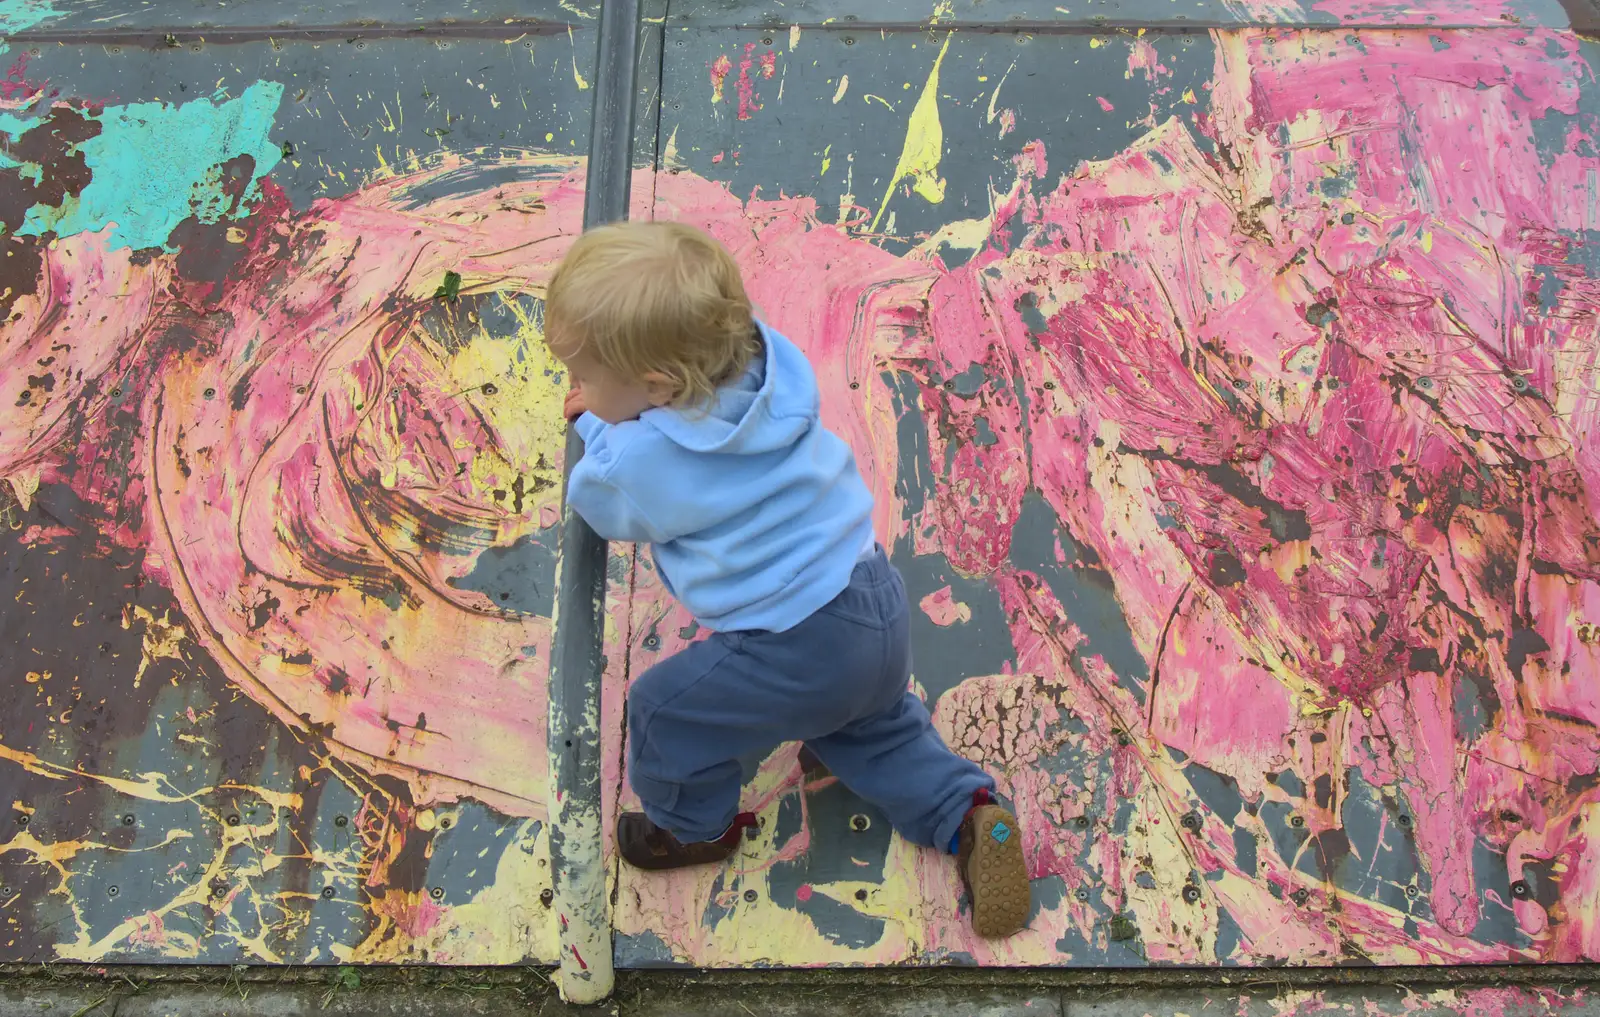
<point>837,682</point>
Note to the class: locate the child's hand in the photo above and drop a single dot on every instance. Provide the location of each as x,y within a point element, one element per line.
<point>573,408</point>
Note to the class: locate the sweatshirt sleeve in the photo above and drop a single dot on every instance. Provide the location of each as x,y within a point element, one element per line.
<point>595,490</point>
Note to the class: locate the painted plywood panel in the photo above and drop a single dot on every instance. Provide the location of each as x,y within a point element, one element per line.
<point>281,453</point>
<point>1228,399</point>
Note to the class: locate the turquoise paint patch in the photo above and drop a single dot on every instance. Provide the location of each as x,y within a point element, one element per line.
<point>154,165</point>
<point>21,15</point>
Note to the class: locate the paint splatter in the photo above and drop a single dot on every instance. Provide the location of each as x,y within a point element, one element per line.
<point>1318,423</point>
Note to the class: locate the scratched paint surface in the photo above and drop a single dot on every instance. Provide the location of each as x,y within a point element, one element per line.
<point>281,451</point>
<point>1229,401</point>
<point>1227,398</point>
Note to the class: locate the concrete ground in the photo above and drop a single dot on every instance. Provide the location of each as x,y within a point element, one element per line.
<point>363,992</point>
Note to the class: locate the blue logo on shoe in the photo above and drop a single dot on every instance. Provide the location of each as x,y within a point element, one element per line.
<point>1001,833</point>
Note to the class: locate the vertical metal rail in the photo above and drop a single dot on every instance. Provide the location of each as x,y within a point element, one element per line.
<point>577,861</point>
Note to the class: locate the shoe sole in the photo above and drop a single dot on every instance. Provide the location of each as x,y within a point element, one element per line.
<point>997,876</point>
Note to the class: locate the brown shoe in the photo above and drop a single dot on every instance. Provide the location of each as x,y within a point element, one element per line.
<point>644,845</point>
<point>992,869</point>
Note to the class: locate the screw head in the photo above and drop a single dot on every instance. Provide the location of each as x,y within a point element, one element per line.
<point>860,894</point>
<point>1297,821</point>
<point>1082,822</point>
<point>1191,821</point>
<point>112,891</point>
<point>219,889</point>
<point>750,896</point>
<point>1081,894</point>
<point>437,893</point>
<point>1521,890</point>
<point>445,823</point>
<point>859,822</point>
<point>1411,891</point>
<point>1191,893</point>
<point>327,893</point>
<point>22,819</point>
<point>128,820</point>
<point>1300,896</point>
<point>652,642</point>
<point>5,891</point>
<point>1404,820</point>
<point>233,820</point>
<point>547,896</point>
<point>340,821</point>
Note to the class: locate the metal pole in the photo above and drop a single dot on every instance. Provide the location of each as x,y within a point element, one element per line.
<point>577,861</point>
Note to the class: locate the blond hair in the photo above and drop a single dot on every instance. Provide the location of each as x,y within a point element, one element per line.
<point>647,298</point>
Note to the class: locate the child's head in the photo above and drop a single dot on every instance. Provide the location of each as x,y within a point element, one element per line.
<point>648,314</point>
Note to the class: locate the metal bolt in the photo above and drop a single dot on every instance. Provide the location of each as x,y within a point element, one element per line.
<point>1191,893</point>
<point>860,894</point>
<point>112,891</point>
<point>233,820</point>
<point>750,896</point>
<point>1191,821</point>
<point>340,821</point>
<point>1297,821</point>
<point>5,891</point>
<point>22,819</point>
<point>327,893</point>
<point>1521,890</point>
<point>1300,896</point>
<point>1426,384</point>
<point>1123,739</point>
<point>219,889</point>
<point>128,820</point>
<point>1082,895</point>
<point>1411,891</point>
<point>849,40</point>
<point>489,388</point>
<point>1083,822</point>
<point>547,896</point>
<point>855,384</point>
<point>1519,383</point>
<point>437,893</point>
<point>445,823</point>
<point>652,642</point>
<point>766,40</point>
<point>210,393</point>
<point>859,822</point>
<point>1404,821</point>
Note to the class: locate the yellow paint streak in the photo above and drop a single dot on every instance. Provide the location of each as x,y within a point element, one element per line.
<point>583,86</point>
<point>924,145</point>
<point>995,95</point>
<point>826,162</point>
<point>526,408</point>
<point>794,38</point>
<point>844,86</point>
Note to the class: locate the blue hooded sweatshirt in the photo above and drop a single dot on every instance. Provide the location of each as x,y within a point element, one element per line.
<point>754,510</point>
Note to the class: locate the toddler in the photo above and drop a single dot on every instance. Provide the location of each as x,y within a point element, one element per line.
<point>703,440</point>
